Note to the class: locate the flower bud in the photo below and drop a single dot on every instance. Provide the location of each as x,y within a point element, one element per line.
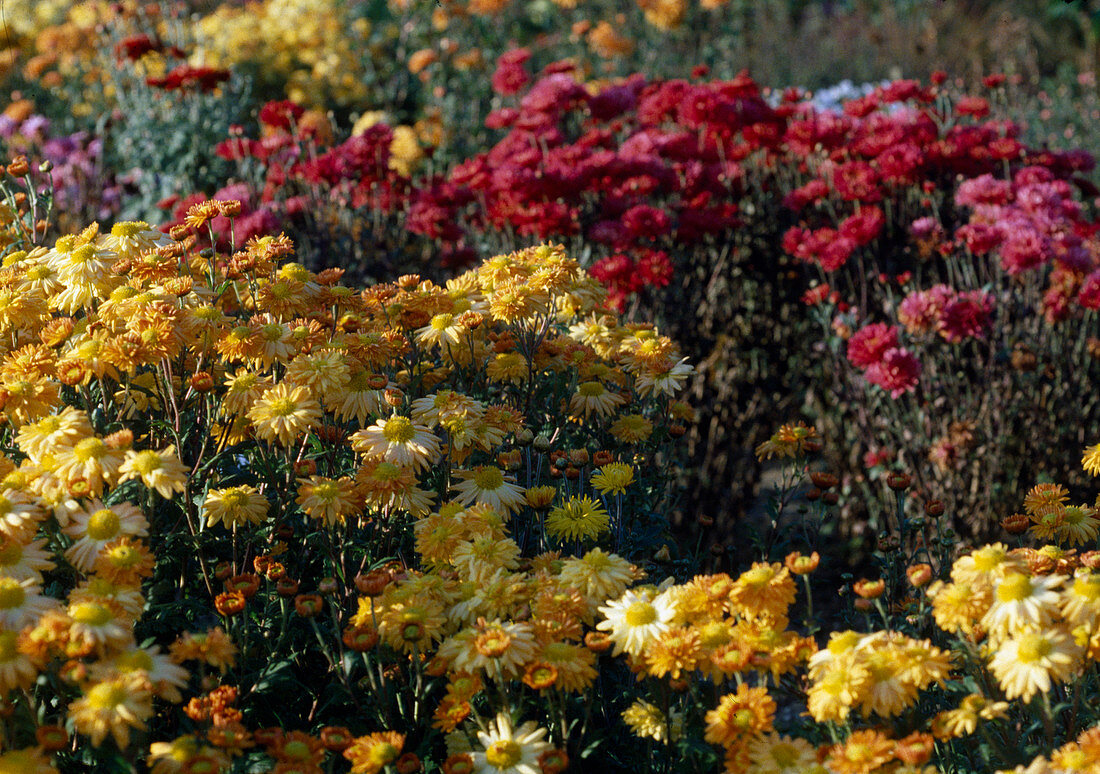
<point>830,498</point>
<point>934,508</point>
<point>919,575</point>
<point>19,167</point>
<point>899,482</point>
<point>541,443</point>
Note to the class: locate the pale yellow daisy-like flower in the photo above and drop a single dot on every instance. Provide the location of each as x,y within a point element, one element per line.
<point>96,525</point>
<point>443,329</point>
<point>90,461</point>
<point>97,629</point>
<point>636,619</point>
<point>1029,662</point>
<point>165,676</point>
<point>234,506</point>
<point>594,398</point>
<point>24,561</point>
<point>21,603</point>
<point>116,707</point>
<point>508,750</point>
<point>327,500</point>
<point>1021,601</point>
<point>284,413</point>
<point>488,485</point>
<point>398,440</point>
<point>160,471</point>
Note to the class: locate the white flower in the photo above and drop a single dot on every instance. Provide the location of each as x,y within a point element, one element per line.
<point>508,750</point>
<point>636,619</point>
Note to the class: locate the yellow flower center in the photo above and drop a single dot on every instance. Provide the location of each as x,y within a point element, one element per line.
<point>398,430</point>
<point>283,407</point>
<point>743,718</point>
<point>91,614</point>
<point>107,696</point>
<point>89,449</point>
<point>326,491</point>
<point>1013,588</point>
<point>235,498</point>
<point>124,556</point>
<point>147,462</point>
<point>10,553</point>
<point>858,752</point>
<point>281,290</point>
<point>383,753</point>
<point>503,754</point>
<point>297,750</point>
<point>82,254</point>
<point>488,478</point>
<point>441,321</point>
<point>757,576</point>
<point>640,614</point>
<point>128,229</point>
<point>134,661</point>
<point>785,755</point>
<point>271,331</point>
<point>103,524</point>
<point>12,594</point>
<point>1033,647</point>
<point>591,389</point>
<point>1087,586</point>
<point>385,472</point>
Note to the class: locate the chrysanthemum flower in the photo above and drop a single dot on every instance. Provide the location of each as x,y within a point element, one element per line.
<point>862,752</point>
<point>234,506</point>
<point>96,628</point>
<point>746,713</point>
<point>646,721</point>
<point>165,677</point>
<point>385,485</point>
<point>598,575</point>
<point>964,720</point>
<point>212,647</point>
<point>772,753</point>
<point>24,561</point>
<point>613,478</point>
<point>1081,600</point>
<point>327,500</point>
<point>161,471</point>
<point>1090,459</point>
<point>399,441</point>
<point>636,619</point>
<point>960,606</point>
<point>94,526</point>
<point>114,707</point>
<point>1028,662</point>
<point>509,750</point>
<point>674,652</point>
<point>91,461</point>
<point>370,754</point>
<point>494,647</point>
<point>1021,601</point>
<point>666,380</point>
<point>488,485</point>
<point>16,669</point>
<point>575,665</point>
<point>631,428</point>
<point>594,398</point>
<point>284,413</point>
<point>580,518</point>
<point>765,589</point>
<point>31,760</point>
